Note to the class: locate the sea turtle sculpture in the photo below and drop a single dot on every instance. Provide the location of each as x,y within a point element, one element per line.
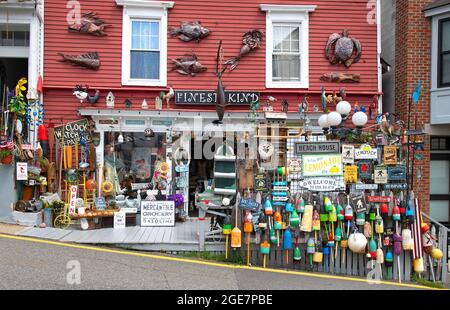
<point>340,49</point>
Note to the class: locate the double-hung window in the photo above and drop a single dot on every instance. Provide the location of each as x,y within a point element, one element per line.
<point>444,53</point>
<point>287,45</point>
<point>144,42</point>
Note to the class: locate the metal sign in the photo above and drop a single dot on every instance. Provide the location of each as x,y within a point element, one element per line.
<point>100,203</point>
<point>366,152</point>
<point>397,173</point>
<point>366,187</point>
<point>365,169</point>
<point>380,175</point>
<point>73,198</point>
<point>385,199</point>
<point>317,147</point>
<point>322,165</point>
<point>210,97</point>
<point>351,174</point>
<point>260,182</point>
<point>348,154</point>
<point>249,204</point>
<point>390,155</point>
<point>322,184</point>
<point>391,186</point>
<point>360,203</point>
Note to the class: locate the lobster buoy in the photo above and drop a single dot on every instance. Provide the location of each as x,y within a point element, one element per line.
<point>236,238</point>
<point>372,213</point>
<point>380,256</point>
<point>372,249</point>
<point>384,209</point>
<point>289,207</point>
<point>340,212</point>
<point>287,240</point>
<point>357,243</point>
<point>338,234</point>
<point>389,259</point>
<point>360,219</point>
<point>265,248</point>
<point>294,219</point>
<point>397,244</point>
<point>311,246</point>
<point>324,215</point>
<point>348,214</point>
<point>227,227</point>
<point>396,213</point>
<point>436,254</point>
<point>407,241</point>
<point>330,239</point>
<point>273,236</point>
<point>301,206</point>
<point>297,252</point>
<point>248,222</point>
<point>418,265</point>
<point>409,213</point>
<point>367,230</point>
<point>278,221</point>
<point>379,226</point>
<point>402,208</point>
<point>268,207</point>
<point>333,214</point>
<point>318,257</point>
<point>316,221</point>
<point>328,205</point>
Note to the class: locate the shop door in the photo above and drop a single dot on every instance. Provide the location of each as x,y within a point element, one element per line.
<point>440,188</point>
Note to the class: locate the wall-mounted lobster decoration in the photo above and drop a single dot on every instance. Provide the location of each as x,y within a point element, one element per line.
<point>340,49</point>
<point>252,40</point>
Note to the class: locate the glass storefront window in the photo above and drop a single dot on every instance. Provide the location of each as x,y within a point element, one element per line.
<point>139,159</point>
<point>439,181</point>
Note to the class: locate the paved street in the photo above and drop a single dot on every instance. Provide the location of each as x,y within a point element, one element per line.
<point>31,265</point>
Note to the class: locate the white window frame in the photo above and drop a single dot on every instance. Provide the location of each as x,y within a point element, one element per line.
<point>151,11</point>
<point>288,14</point>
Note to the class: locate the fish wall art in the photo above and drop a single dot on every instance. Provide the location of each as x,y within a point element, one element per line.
<point>188,65</point>
<point>90,24</point>
<point>89,60</point>
<point>189,31</point>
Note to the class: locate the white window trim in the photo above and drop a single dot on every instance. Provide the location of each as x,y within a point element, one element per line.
<point>297,14</point>
<point>147,10</point>
<point>435,50</point>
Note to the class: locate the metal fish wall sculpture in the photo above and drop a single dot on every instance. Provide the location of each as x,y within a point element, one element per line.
<point>89,60</point>
<point>90,24</point>
<point>189,31</point>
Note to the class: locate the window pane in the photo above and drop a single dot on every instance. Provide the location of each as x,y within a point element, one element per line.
<point>286,68</point>
<point>439,211</point>
<point>439,177</point>
<point>144,65</point>
<point>445,69</point>
<point>285,38</point>
<point>155,29</point>
<point>446,36</point>
<point>145,35</point>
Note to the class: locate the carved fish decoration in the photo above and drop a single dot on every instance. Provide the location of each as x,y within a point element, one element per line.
<point>252,40</point>
<point>188,65</point>
<point>221,103</point>
<point>189,31</point>
<point>89,60</point>
<point>340,77</point>
<point>90,24</point>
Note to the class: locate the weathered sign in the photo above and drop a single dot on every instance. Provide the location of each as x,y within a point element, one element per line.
<point>322,184</point>
<point>379,199</point>
<point>157,213</point>
<point>261,182</point>
<point>348,154</point>
<point>359,203</point>
<point>322,165</point>
<point>380,175</point>
<point>390,155</point>
<point>365,168</point>
<point>397,173</point>
<point>249,204</point>
<point>391,186</point>
<point>205,97</point>
<point>73,132</point>
<point>317,147</point>
<point>365,151</point>
<point>361,186</point>
<point>350,174</point>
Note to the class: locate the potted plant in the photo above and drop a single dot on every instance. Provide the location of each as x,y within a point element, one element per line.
<point>6,157</point>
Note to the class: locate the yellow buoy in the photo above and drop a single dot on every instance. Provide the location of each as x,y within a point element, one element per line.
<point>437,254</point>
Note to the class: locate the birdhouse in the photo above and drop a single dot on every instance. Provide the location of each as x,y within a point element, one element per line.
<point>144,105</point>
<point>110,100</point>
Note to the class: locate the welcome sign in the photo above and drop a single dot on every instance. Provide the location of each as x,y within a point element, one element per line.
<point>322,165</point>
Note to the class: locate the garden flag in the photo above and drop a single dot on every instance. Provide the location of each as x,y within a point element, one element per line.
<point>417,92</point>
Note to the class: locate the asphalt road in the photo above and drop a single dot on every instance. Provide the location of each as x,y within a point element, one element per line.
<point>26,264</point>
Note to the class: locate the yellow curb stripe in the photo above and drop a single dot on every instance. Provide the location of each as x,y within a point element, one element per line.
<point>221,265</point>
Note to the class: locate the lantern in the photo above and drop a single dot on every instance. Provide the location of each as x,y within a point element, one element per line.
<point>357,243</point>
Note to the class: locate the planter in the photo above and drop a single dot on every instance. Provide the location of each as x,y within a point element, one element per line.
<point>48,217</point>
<point>7,160</point>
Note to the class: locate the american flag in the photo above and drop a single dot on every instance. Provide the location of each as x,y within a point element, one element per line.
<point>417,235</point>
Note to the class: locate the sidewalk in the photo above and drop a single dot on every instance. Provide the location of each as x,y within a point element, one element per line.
<point>10,229</point>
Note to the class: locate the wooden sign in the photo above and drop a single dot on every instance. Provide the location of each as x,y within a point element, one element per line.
<point>380,175</point>
<point>295,165</point>
<point>73,132</point>
<point>157,213</point>
<point>351,174</point>
<point>249,204</point>
<point>366,186</point>
<point>261,182</point>
<point>365,151</point>
<point>322,184</point>
<point>379,199</point>
<point>317,147</point>
<point>359,203</point>
<point>210,97</point>
<point>322,165</point>
<point>348,154</point>
<point>397,173</point>
<point>393,186</point>
<point>390,155</point>
<point>365,168</point>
